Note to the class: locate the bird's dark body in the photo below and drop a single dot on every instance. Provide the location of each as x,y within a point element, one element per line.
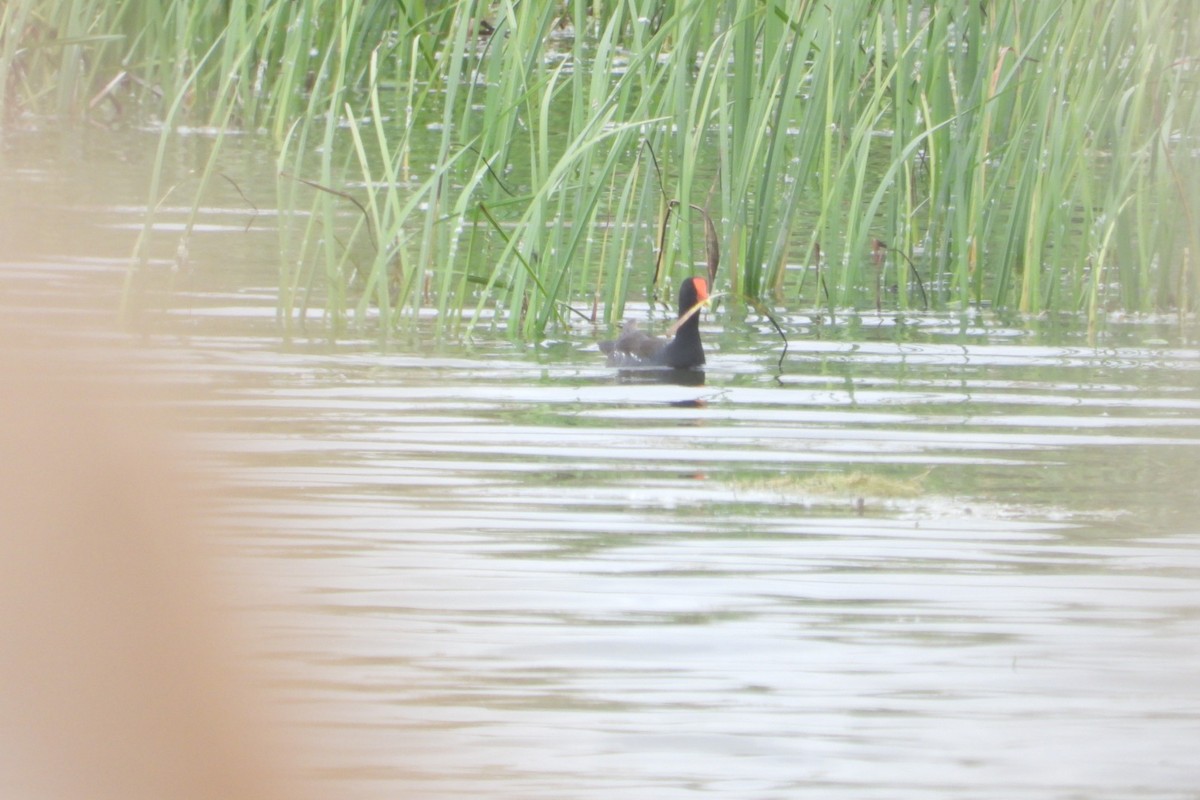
<point>634,348</point>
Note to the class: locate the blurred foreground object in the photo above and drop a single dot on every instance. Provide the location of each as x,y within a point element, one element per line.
<point>118,677</point>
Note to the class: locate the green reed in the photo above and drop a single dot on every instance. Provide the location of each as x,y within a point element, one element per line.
<point>438,158</point>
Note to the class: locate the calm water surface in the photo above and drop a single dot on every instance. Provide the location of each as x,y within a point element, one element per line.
<point>529,580</point>
<point>920,563</point>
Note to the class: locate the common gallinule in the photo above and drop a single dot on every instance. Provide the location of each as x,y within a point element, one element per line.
<point>634,348</point>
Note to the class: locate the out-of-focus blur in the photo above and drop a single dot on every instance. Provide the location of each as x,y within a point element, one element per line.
<point>119,675</point>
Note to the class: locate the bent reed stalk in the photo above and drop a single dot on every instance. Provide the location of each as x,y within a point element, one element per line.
<point>513,160</point>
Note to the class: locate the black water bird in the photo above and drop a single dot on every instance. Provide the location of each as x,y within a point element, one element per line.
<point>634,348</point>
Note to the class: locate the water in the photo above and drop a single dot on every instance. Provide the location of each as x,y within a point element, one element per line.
<point>513,575</point>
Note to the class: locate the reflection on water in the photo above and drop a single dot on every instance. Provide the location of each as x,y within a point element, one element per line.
<point>678,377</point>
<point>519,574</point>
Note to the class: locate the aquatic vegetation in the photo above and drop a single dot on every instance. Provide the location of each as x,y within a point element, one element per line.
<point>455,158</point>
<point>854,484</point>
